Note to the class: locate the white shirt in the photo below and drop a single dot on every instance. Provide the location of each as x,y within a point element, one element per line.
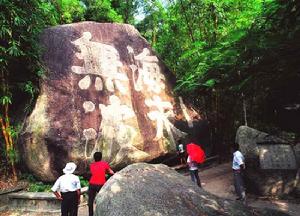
<point>238,159</point>
<point>66,183</point>
<point>192,164</point>
<point>180,147</point>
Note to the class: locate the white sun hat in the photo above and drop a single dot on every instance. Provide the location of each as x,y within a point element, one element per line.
<point>70,168</point>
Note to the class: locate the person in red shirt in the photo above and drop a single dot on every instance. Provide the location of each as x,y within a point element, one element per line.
<point>98,170</point>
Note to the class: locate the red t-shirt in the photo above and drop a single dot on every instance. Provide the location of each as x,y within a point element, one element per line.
<point>98,170</point>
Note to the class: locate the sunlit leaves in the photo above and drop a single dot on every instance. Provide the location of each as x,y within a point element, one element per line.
<point>199,39</point>
<point>101,11</point>
<point>71,10</point>
<point>5,100</point>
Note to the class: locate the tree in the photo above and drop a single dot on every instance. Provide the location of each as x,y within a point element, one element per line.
<point>127,9</point>
<point>20,25</point>
<point>224,53</point>
<point>69,10</point>
<point>101,11</point>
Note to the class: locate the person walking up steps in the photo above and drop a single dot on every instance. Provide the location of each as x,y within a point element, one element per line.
<point>193,168</point>
<point>238,166</point>
<point>98,170</point>
<point>195,156</point>
<point>67,189</point>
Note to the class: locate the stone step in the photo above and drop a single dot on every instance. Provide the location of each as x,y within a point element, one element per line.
<point>4,195</point>
<point>43,202</point>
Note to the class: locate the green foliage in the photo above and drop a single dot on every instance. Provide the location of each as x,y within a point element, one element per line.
<point>21,22</point>
<point>127,9</point>
<point>13,155</point>
<point>5,99</point>
<point>198,39</point>
<point>71,10</point>
<point>224,52</point>
<point>39,187</point>
<point>20,25</point>
<point>29,88</point>
<point>101,11</point>
<point>83,182</point>
<point>34,185</point>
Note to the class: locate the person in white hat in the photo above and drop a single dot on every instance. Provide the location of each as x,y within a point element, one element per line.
<point>67,189</point>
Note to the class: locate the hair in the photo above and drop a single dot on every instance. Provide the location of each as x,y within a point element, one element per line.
<point>191,139</point>
<point>236,146</point>
<point>97,156</point>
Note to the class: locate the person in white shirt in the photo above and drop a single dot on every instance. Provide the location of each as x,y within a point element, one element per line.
<point>181,152</point>
<point>67,189</point>
<point>238,166</point>
<point>193,167</point>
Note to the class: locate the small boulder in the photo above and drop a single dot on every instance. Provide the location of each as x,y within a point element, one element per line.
<point>270,162</point>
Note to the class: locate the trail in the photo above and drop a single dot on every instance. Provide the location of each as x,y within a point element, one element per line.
<point>218,180</point>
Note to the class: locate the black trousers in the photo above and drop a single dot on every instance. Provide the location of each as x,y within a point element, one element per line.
<point>93,191</point>
<point>69,204</point>
<point>239,184</point>
<point>195,177</point>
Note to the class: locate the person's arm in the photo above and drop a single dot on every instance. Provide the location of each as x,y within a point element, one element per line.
<point>58,195</point>
<point>78,186</point>
<point>55,190</point>
<point>111,171</point>
<point>240,160</point>
<point>189,161</point>
<point>78,194</point>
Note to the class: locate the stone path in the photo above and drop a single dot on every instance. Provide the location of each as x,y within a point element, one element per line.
<point>217,180</point>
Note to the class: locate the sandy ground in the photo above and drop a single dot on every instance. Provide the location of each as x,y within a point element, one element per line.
<point>217,180</point>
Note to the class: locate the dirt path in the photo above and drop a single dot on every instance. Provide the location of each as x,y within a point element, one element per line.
<point>218,180</point>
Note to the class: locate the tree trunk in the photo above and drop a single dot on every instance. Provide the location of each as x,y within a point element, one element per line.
<point>244,110</point>
<point>187,22</point>
<point>5,125</point>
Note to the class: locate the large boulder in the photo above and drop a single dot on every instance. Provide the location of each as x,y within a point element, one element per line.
<point>147,190</point>
<point>104,90</point>
<point>270,161</point>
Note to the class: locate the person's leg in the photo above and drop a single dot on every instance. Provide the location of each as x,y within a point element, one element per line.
<point>64,205</point>
<point>239,185</point>
<point>92,192</point>
<point>63,208</point>
<point>236,188</point>
<point>192,176</point>
<point>236,180</point>
<point>196,173</point>
<point>242,186</point>
<point>73,204</point>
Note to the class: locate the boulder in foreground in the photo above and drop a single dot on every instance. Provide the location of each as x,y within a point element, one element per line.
<point>156,190</point>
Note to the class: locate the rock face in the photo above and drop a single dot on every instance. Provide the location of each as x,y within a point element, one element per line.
<point>146,190</point>
<point>105,90</point>
<point>270,161</point>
